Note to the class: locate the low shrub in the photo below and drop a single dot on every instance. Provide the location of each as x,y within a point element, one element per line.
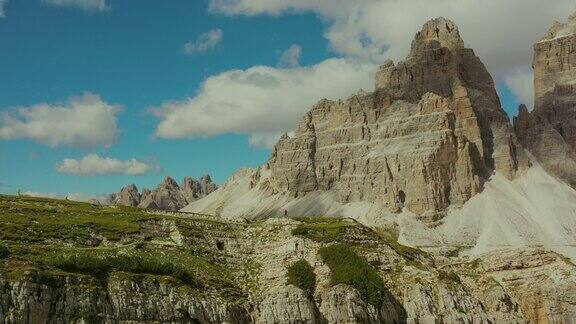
<point>301,274</point>
<point>322,229</point>
<point>390,237</point>
<point>347,267</point>
<point>101,264</point>
<point>4,251</point>
<point>449,276</point>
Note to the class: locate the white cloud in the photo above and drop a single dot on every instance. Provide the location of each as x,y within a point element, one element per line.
<point>2,3</point>
<point>501,32</point>
<point>521,83</point>
<point>291,56</point>
<point>88,5</point>
<point>92,165</point>
<point>71,196</point>
<point>84,121</point>
<point>261,101</point>
<point>204,42</point>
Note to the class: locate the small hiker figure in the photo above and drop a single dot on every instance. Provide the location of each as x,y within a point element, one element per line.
<point>285,213</point>
<point>19,193</point>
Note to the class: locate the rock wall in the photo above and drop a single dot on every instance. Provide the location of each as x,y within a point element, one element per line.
<point>426,138</point>
<point>77,299</point>
<point>549,131</point>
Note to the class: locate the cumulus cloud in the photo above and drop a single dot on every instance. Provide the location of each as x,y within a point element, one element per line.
<point>84,121</point>
<point>204,42</point>
<point>71,196</point>
<point>88,5</point>
<point>291,56</point>
<point>2,3</point>
<point>501,32</point>
<point>93,165</point>
<point>521,83</point>
<point>261,101</point>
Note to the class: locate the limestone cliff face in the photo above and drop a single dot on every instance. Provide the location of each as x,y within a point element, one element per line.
<point>549,131</point>
<point>77,299</point>
<point>426,138</point>
<point>167,196</point>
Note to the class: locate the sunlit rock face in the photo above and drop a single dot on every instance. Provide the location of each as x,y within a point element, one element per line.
<point>168,195</point>
<point>427,137</point>
<point>549,131</point>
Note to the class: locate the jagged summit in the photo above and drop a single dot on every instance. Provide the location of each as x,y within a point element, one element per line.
<point>427,138</point>
<point>561,29</point>
<point>439,32</point>
<point>169,182</point>
<point>168,195</point>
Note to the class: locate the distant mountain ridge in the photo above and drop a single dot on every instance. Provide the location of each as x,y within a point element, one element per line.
<point>168,195</point>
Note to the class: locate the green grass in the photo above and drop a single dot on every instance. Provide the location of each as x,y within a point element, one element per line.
<point>324,229</point>
<point>33,219</point>
<point>48,236</point>
<point>390,237</point>
<point>449,276</point>
<point>180,263</point>
<point>301,274</point>
<point>347,267</point>
<point>100,263</point>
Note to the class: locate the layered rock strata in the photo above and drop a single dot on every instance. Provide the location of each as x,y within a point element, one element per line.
<point>549,131</point>
<point>428,137</point>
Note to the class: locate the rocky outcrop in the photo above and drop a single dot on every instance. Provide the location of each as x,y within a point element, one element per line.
<point>287,304</point>
<point>166,196</point>
<point>549,131</point>
<point>73,299</point>
<point>533,277</point>
<point>427,138</point>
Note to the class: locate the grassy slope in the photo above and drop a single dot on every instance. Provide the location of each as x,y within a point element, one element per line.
<point>55,237</point>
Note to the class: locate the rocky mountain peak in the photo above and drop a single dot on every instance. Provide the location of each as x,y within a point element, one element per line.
<point>561,29</point>
<point>436,33</point>
<point>170,183</point>
<point>128,196</point>
<point>168,195</point>
<point>188,183</point>
<point>427,138</point>
<point>206,178</point>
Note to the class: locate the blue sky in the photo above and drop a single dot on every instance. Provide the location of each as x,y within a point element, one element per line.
<point>133,57</point>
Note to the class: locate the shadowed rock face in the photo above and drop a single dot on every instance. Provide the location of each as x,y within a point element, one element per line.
<point>167,196</point>
<point>426,138</point>
<point>549,131</point>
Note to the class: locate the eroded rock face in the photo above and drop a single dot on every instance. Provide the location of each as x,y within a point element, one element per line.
<point>287,304</point>
<point>81,300</point>
<point>543,283</point>
<point>549,131</point>
<point>167,196</point>
<point>428,137</point>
